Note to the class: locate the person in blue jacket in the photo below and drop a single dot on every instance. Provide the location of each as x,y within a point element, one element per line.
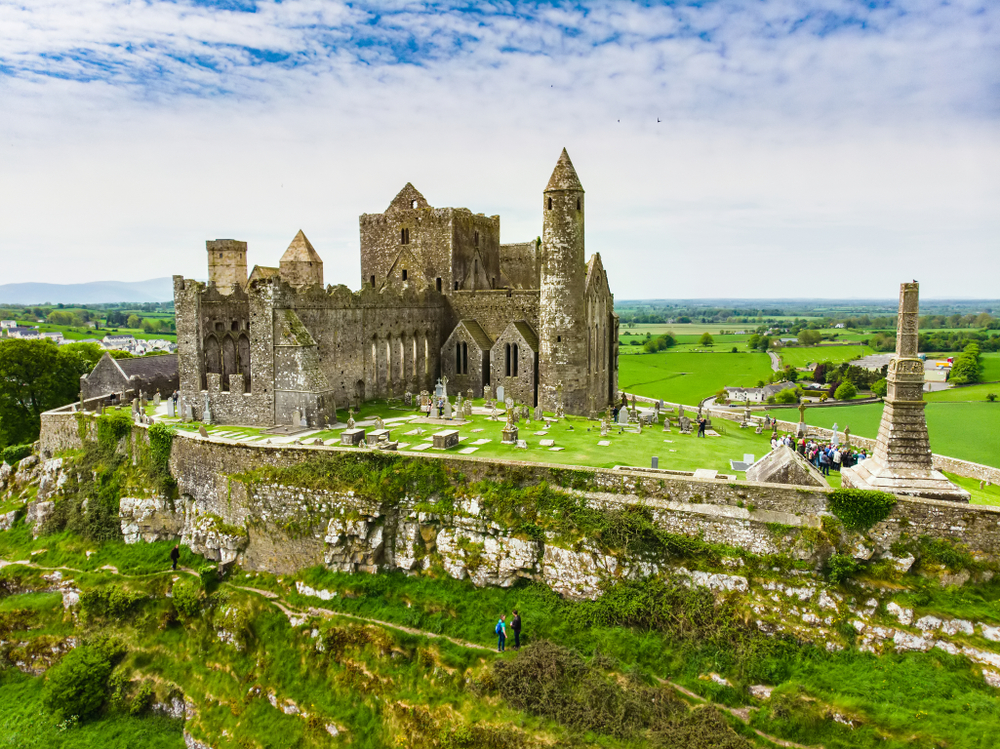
<point>501,633</point>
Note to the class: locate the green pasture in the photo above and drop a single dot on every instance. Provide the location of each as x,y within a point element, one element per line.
<point>967,431</point>
<point>991,366</point>
<point>964,393</point>
<point>683,377</point>
<point>803,356</point>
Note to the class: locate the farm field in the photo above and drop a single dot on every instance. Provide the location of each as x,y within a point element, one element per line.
<point>991,366</point>
<point>801,357</point>
<point>688,343</point>
<point>689,377</point>
<point>964,394</point>
<point>961,430</point>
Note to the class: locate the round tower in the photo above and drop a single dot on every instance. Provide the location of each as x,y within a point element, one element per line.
<point>562,307</point>
<point>227,263</point>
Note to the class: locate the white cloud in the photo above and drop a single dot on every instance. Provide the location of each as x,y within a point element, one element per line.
<point>790,132</point>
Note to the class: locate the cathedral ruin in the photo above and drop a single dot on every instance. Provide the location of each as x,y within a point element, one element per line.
<point>440,297</point>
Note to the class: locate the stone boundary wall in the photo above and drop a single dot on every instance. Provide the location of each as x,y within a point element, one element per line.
<point>202,468</point>
<point>966,468</point>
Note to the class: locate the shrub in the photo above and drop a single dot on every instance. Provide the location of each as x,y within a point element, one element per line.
<point>187,598</point>
<point>11,455</point>
<point>845,391</point>
<point>112,428</point>
<point>991,397</point>
<point>785,396</point>
<point>78,684</point>
<point>841,566</point>
<point>860,508</point>
<point>113,601</point>
<point>880,388</point>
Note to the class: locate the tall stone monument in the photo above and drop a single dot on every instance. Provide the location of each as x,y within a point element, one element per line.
<point>901,462</point>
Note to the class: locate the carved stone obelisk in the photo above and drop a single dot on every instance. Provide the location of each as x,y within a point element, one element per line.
<point>901,463</point>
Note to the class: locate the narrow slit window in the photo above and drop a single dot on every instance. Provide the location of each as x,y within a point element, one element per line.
<point>577,204</point>
<point>456,285</point>
<point>475,239</point>
<point>438,283</point>
<point>513,356</point>
<point>404,274</point>
<point>465,358</point>
<point>404,236</point>
<point>550,204</point>
<point>373,282</point>
<point>507,359</point>
<point>458,358</point>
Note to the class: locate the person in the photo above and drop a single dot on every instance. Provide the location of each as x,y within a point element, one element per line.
<point>836,459</point>
<point>701,427</point>
<point>501,633</point>
<point>824,462</point>
<point>515,625</point>
<point>175,554</point>
<point>176,395</point>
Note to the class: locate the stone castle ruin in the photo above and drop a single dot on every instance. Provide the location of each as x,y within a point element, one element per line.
<point>440,297</point>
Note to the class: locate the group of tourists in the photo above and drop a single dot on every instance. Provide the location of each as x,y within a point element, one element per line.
<point>824,455</point>
<point>501,631</point>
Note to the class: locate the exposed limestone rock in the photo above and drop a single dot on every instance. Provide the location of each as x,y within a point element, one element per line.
<point>151,519</point>
<point>305,590</point>
<point>205,538</point>
<point>7,520</point>
<point>190,742</point>
<point>5,474</point>
<point>354,545</point>
<point>990,633</point>
<point>785,466</point>
<point>38,513</point>
<point>576,574</point>
<point>761,692</point>
<point>905,616</point>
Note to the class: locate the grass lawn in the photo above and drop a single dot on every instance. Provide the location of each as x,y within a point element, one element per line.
<point>683,452</point>
<point>961,430</point>
<point>801,357</point>
<point>991,366</point>
<point>681,377</point>
<point>988,495</point>
<point>967,393</point>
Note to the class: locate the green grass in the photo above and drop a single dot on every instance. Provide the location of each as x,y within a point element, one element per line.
<point>801,357</point>
<point>960,430</point>
<point>27,725</point>
<point>991,366</point>
<point>988,495</point>
<point>687,377</point>
<point>965,393</point>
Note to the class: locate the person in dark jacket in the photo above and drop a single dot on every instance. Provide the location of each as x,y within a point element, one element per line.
<point>515,625</point>
<point>175,554</point>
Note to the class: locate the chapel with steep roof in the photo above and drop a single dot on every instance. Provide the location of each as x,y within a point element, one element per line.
<point>440,296</point>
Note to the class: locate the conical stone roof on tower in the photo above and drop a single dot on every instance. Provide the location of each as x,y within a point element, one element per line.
<point>564,176</point>
<point>301,265</point>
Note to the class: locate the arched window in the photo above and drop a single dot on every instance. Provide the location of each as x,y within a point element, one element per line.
<point>228,360</point>
<point>465,358</point>
<point>413,204</point>
<point>244,368</point>
<point>506,349</point>
<point>550,204</point>
<point>514,357</point>
<point>458,358</point>
<point>404,236</point>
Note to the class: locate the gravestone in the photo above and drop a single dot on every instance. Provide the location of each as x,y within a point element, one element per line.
<point>467,407</point>
<point>379,424</point>
<point>494,413</point>
<point>296,417</point>
<point>458,403</point>
<point>539,414</point>
<point>207,418</point>
<point>522,444</point>
<point>156,401</point>
<point>171,409</point>
<point>439,389</point>
<point>444,386</point>
<point>446,439</point>
<point>500,394</point>
<point>655,462</point>
<point>469,395</point>
<point>605,426</point>
<point>202,431</point>
<point>488,395</point>
<point>408,398</point>
<point>685,425</point>
<point>447,408</point>
<point>302,420</point>
<point>352,436</point>
<point>350,418</point>
<point>623,416</point>
<point>847,434</point>
<point>509,434</point>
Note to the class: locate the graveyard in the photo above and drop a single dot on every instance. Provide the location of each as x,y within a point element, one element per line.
<point>570,440</point>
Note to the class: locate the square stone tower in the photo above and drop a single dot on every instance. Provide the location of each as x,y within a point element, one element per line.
<point>902,461</point>
<point>227,263</point>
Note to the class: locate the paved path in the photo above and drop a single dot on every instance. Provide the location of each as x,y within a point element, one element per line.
<point>775,361</point>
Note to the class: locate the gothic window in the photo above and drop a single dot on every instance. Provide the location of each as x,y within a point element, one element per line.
<point>213,358</point>
<point>458,358</point>
<point>244,368</point>
<point>506,350</point>
<point>404,236</point>
<point>228,360</point>
<point>465,358</point>
<point>514,357</point>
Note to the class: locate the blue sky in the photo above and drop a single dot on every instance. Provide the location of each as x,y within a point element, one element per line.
<point>738,148</point>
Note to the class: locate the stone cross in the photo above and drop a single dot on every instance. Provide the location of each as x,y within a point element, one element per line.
<point>444,386</point>
<point>207,418</point>
<point>835,438</point>
<point>469,394</point>
<point>488,394</point>
<point>350,418</point>
<point>379,424</point>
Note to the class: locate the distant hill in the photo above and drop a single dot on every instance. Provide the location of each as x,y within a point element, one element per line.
<point>97,292</point>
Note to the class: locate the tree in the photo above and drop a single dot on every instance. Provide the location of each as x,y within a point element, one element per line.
<point>819,373</point>
<point>967,367</point>
<point>880,387</point>
<point>809,337</point>
<point>147,326</point>
<point>846,391</point>
<point>786,396</point>
<point>706,339</point>
<point>134,321</point>
<point>36,376</point>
